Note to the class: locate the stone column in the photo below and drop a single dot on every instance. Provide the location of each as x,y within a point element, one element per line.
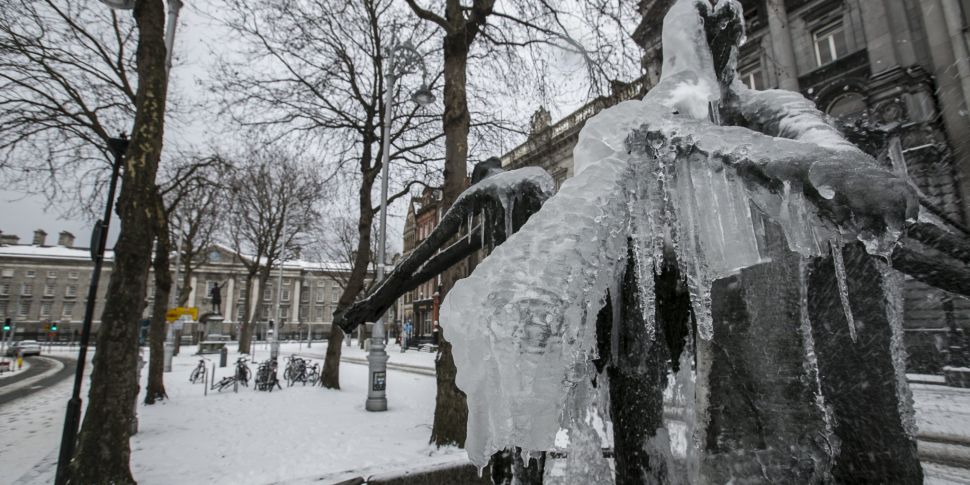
<point>952,95</point>
<point>227,300</point>
<point>784,53</point>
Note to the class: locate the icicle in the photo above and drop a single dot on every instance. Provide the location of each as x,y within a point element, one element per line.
<point>616,302</point>
<point>892,292</point>
<point>484,224</point>
<point>470,232</point>
<point>811,362</point>
<point>509,207</point>
<point>843,285</point>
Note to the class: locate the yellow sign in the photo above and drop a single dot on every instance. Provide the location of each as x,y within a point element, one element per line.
<point>174,314</point>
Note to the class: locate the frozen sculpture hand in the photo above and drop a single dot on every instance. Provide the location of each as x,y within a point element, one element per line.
<point>709,295</point>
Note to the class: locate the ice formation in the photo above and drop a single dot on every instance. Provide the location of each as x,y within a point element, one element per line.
<point>651,173</point>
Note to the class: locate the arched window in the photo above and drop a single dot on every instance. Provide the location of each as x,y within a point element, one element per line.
<point>848,106</point>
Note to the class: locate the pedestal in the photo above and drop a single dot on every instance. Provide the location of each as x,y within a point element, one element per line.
<point>377,370</point>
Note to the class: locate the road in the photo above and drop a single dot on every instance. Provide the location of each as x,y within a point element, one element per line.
<point>44,372</point>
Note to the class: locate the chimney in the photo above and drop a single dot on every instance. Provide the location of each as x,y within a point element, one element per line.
<point>40,237</point>
<point>65,239</point>
<point>9,239</point>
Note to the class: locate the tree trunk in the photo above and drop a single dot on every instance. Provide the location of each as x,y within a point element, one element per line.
<point>246,331</point>
<point>330,378</point>
<point>156,332</point>
<point>451,410</point>
<point>103,449</point>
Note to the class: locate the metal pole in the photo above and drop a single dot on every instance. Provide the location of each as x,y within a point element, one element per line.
<point>376,356</point>
<point>173,15</point>
<point>72,417</point>
<point>275,342</point>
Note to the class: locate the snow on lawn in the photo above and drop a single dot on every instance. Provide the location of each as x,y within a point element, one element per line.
<point>298,432</point>
<point>942,411</point>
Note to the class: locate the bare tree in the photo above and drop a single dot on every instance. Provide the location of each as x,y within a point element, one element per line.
<point>275,199</point>
<point>313,69</point>
<point>67,82</point>
<point>103,452</point>
<point>524,25</point>
<point>192,180</point>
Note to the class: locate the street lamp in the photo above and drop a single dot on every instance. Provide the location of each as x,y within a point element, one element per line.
<point>99,239</point>
<point>402,59</point>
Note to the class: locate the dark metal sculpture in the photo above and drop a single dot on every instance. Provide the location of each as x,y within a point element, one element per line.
<point>478,219</point>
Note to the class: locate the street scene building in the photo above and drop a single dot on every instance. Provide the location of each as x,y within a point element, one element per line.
<point>43,284</point>
<point>881,69</point>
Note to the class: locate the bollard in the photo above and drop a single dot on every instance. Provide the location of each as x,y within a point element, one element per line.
<point>223,356</point>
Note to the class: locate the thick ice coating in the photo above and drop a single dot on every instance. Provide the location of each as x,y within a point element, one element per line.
<point>650,173</point>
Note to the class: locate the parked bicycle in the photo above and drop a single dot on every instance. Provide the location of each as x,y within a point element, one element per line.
<point>198,374</point>
<point>295,369</point>
<point>243,373</point>
<point>224,383</point>
<point>266,378</point>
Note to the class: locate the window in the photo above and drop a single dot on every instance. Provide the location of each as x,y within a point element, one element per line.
<point>321,294</point>
<point>4,289</point>
<point>847,107</point>
<point>72,275</point>
<point>68,308</point>
<point>70,291</point>
<point>304,313</point>
<point>286,294</point>
<point>830,43</point>
<point>267,292</point>
<point>242,292</point>
<point>24,308</point>
<point>752,77</point>
<point>31,273</point>
<point>48,290</point>
<point>214,256</point>
<point>4,309</point>
<point>239,311</point>
<point>284,313</point>
<point>7,272</point>
<point>320,314</point>
<point>305,294</point>
<point>264,311</point>
<point>335,294</point>
<point>45,309</point>
<point>26,289</point>
<point>52,274</point>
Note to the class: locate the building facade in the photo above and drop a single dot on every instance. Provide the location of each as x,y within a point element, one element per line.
<point>42,284</point>
<point>895,75</point>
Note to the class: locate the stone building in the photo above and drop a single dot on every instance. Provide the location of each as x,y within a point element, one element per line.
<point>41,283</point>
<point>894,73</point>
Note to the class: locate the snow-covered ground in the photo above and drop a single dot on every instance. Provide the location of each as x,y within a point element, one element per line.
<point>307,434</point>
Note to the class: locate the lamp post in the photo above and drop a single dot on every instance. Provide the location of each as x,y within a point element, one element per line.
<point>402,59</point>
<point>99,239</point>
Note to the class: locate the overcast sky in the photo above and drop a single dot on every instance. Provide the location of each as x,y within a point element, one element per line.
<point>196,37</point>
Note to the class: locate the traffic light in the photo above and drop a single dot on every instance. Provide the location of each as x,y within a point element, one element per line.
<point>6,325</point>
<point>53,327</point>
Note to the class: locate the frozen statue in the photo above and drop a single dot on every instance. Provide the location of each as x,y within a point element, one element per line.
<point>709,296</point>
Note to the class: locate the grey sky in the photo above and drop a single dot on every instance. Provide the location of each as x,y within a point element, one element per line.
<point>196,37</point>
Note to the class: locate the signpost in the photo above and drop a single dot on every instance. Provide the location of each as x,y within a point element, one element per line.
<point>175,316</point>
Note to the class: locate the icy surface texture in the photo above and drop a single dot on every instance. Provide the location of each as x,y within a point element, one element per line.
<point>688,82</point>
<point>651,173</point>
<point>522,325</point>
